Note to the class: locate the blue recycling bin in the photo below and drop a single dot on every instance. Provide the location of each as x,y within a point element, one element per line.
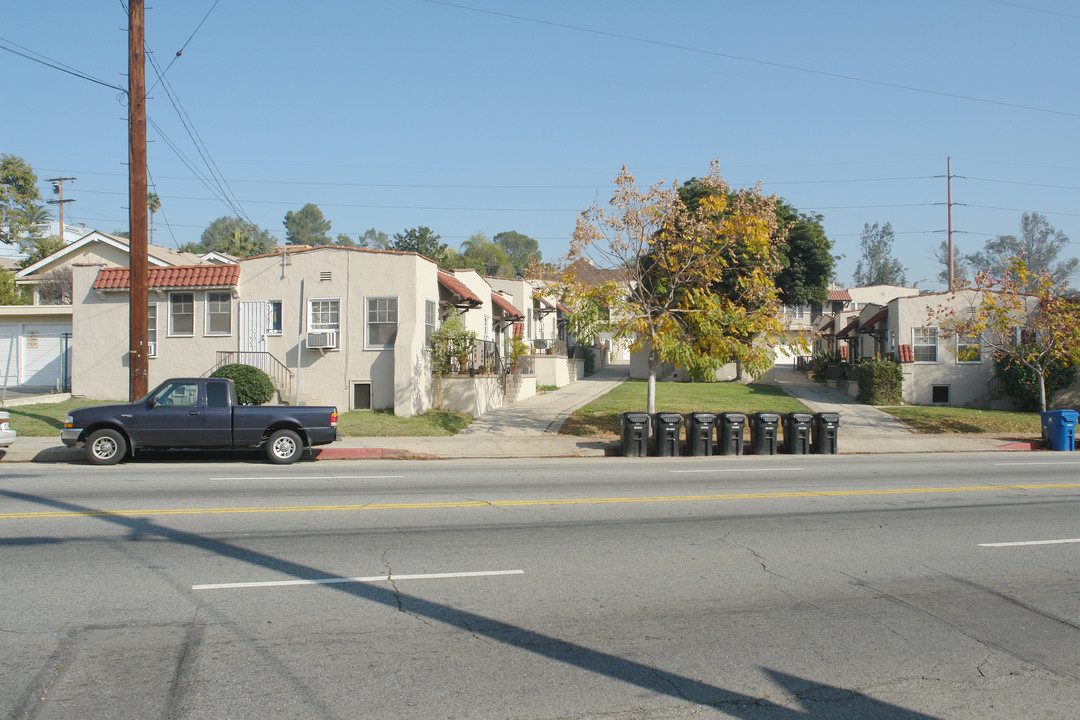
<point>1059,428</point>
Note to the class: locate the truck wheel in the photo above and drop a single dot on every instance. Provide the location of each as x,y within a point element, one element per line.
<point>284,447</point>
<point>105,447</point>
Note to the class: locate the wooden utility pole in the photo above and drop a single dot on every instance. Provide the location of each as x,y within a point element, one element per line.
<point>948,181</point>
<point>138,273</point>
<point>58,188</point>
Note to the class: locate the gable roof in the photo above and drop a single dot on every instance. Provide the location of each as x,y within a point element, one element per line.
<point>196,276</point>
<point>155,254</point>
<point>839,295</point>
<point>848,328</point>
<point>878,317</point>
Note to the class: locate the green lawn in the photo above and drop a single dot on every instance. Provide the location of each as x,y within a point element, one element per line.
<point>601,417</point>
<point>939,420</point>
<point>46,420</point>
<point>383,423</point>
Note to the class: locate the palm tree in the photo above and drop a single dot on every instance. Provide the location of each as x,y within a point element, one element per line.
<point>153,204</point>
<point>36,215</point>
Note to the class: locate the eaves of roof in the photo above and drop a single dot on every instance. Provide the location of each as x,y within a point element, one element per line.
<point>459,288</point>
<point>509,311</point>
<point>191,276</point>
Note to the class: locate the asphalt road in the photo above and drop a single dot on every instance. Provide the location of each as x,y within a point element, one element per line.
<point>772,587</point>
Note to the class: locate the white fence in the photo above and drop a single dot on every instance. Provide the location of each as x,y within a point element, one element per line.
<point>35,361</point>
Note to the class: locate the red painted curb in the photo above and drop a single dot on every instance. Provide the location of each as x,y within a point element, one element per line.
<point>360,453</point>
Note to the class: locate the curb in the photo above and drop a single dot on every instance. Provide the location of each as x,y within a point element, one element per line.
<point>366,454</point>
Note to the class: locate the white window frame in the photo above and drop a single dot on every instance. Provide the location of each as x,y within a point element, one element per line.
<point>151,329</point>
<point>270,329</point>
<point>379,313</point>
<point>172,315</point>
<point>333,307</point>
<point>915,344</point>
<point>207,331</point>
<point>966,342</point>
<point>431,319</point>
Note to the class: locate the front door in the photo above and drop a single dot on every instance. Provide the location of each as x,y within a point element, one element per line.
<point>254,320</point>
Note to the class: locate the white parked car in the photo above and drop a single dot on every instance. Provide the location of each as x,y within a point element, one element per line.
<point>7,435</point>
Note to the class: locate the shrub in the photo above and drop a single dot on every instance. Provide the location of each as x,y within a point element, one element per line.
<point>1021,383</point>
<point>253,386</point>
<point>451,341</point>
<point>819,364</point>
<point>881,381</point>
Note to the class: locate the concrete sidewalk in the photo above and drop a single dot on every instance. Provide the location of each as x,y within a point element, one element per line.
<point>529,429</point>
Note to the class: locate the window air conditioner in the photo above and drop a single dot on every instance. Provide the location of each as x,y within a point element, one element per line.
<point>322,340</point>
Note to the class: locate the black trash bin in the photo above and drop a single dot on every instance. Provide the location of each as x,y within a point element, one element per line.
<point>699,433</point>
<point>666,434</point>
<point>797,433</point>
<point>826,426</point>
<point>729,432</point>
<point>635,433</point>
<point>763,432</point>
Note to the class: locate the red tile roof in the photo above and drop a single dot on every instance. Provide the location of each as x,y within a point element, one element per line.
<point>878,317</point>
<point>907,354</point>
<point>848,328</point>
<point>189,276</point>
<point>507,307</point>
<point>839,295</point>
<point>459,288</point>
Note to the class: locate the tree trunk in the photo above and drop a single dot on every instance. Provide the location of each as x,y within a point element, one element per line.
<point>1042,392</point>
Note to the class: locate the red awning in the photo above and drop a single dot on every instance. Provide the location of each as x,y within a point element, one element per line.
<point>458,288</point>
<point>848,328</point>
<point>509,311</point>
<point>878,317</point>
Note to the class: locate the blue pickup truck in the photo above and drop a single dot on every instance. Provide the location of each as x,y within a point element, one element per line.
<point>197,413</point>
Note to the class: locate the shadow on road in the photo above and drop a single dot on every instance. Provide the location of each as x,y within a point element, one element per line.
<point>829,702</point>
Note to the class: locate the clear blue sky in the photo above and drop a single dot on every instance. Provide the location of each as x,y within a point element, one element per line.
<point>491,115</point>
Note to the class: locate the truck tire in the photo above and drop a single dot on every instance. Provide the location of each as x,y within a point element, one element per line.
<point>284,447</point>
<point>105,447</point>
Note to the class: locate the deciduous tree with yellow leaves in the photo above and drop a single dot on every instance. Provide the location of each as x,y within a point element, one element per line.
<point>686,293</point>
<point>1021,315</point>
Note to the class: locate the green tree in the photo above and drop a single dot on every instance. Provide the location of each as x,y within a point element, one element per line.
<point>806,258</point>
<point>10,294</point>
<point>233,236</point>
<point>1039,245</point>
<point>344,240</point>
<point>876,265</point>
<point>375,239</point>
<point>307,226</point>
<point>423,241</point>
<point>39,248</point>
<point>673,256</point>
<point>1020,317</point>
<point>961,264</point>
<point>18,195</point>
<point>153,204</point>
<point>486,256</point>
<point>522,250</point>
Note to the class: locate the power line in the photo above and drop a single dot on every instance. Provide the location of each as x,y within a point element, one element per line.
<point>56,65</point>
<point>756,61</point>
<point>1033,9</point>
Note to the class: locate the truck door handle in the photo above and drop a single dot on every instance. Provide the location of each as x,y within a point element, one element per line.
<point>193,412</point>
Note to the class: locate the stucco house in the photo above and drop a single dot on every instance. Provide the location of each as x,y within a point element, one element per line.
<point>938,369</point>
<point>331,325</point>
<point>36,340</point>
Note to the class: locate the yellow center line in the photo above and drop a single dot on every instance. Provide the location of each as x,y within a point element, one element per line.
<point>531,503</point>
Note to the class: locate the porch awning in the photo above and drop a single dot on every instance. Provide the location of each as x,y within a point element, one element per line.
<point>458,288</point>
<point>509,311</point>
<point>848,328</point>
<point>878,317</point>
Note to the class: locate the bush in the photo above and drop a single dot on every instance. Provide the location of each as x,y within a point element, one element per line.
<point>881,381</point>
<point>253,386</point>
<point>1022,384</point>
<point>820,363</point>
